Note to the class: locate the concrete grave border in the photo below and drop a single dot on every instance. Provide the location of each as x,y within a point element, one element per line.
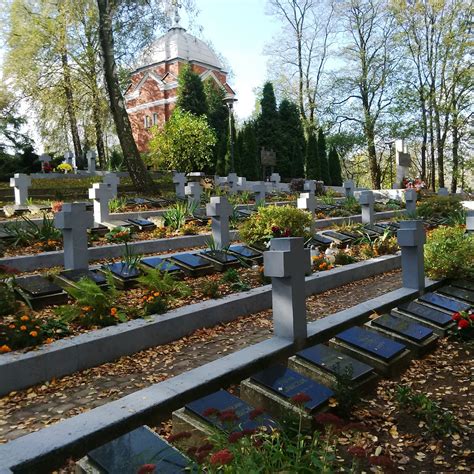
<point>52,446</point>
<point>66,356</point>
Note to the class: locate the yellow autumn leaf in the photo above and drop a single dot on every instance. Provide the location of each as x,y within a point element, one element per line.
<point>394,432</point>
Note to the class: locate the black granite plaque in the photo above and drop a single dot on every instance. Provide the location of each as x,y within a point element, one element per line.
<point>36,285</point>
<point>165,266</point>
<point>337,236</point>
<point>444,302</point>
<point>335,362</point>
<point>191,260</point>
<point>425,312</point>
<point>318,240</point>
<point>466,284</point>
<point>76,275</point>
<point>220,256</point>
<point>142,222</point>
<point>229,413</point>
<point>123,271</point>
<point>245,212</point>
<point>374,228</point>
<point>460,293</point>
<point>351,235</point>
<point>288,383</point>
<point>125,455</point>
<point>373,343</point>
<point>413,331</point>
<point>244,251</point>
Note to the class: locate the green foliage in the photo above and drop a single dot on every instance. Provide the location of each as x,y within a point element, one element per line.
<point>231,276</point>
<point>118,204</point>
<point>164,283</point>
<point>119,235</point>
<point>210,289</point>
<point>351,204</point>
<point>130,259</point>
<point>249,151</point>
<point>191,96</point>
<point>7,297</point>
<point>449,253</point>
<point>344,391</point>
<point>438,421</point>
<point>258,227</point>
<point>343,258</point>
<point>27,232</point>
<point>175,216</point>
<point>323,158</point>
<point>313,166</point>
<point>268,122</point>
<point>185,143</point>
<point>439,206</point>
<point>335,167</point>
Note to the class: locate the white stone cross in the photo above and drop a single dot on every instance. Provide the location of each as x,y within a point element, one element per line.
<point>411,238</point>
<point>307,201</point>
<point>101,194</point>
<point>219,210</point>
<point>310,186</point>
<point>410,200</point>
<point>20,182</point>
<point>349,188</point>
<point>74,220</point>
<point>112,180</point>
<point>179,181</point>
<point>242,183</point>
<point>287,262</point>
<point>232,183</point>
<point>194,190</point>
<point>260,193</point>
<point>470,221</point>
<point>69,158</point>
<point>275,179</point>
<point>91,156</point>
<point>367,201</point>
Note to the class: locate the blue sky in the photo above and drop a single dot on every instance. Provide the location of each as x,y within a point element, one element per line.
<point>239,30</point>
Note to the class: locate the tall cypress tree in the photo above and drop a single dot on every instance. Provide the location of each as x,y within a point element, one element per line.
<point>313,167</point>
<point>248,151</point>
<point>335,167</point>
<point>323,158</point>
<point>290,162</point>
<point>267,121</point>
<point>191,96</point>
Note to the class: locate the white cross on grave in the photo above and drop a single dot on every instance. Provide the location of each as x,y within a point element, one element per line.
<point>307,201</point>
<point>219,210</point>
<point>411,238</point>
<point>367,201</point>
<point>275,179</point>
<point>260,193</point>
<point>69,158</point>
<point>112,180</point>
<point>232,183</point>
<point>100,193</point>
<point>74,220</point>
<point>310,186</point>
<point>242,183</point>
<point>194,190</point>
<point>91,156</point>
<point>179,181</point>
<point>287,262</point>
<point>20,182</point>
<point>410,200</point>
<point>349,188</point>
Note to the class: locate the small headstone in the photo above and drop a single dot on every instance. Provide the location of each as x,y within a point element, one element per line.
<point>163,265</point>
<point>193,191</point>
<point>349,188</point>
<point>91,158</point>
<point>242,183</point>
<point>367,202</point>
<point>219,210</point>
<point>74,220</point>
<point>444,302</point>
<point>443,192</point>
<point>76,275</point>
<point>260,193</point>
<point>411,239</point>
<point>20,182</point>
<point>466,284</point>
<point>179,181</point>
<point>232,183</point>
<point>112,181</point>
<point>287,263</point>
<point>337,237</point>
<point>40,291</point>
<point>410,330</point>
<point>310,186</point>
<point>246,253</point>
<point>192,264</point>
<point>70,159</point>
<point>275,179</point>
<point>101,193</point>
<point>410,200</point>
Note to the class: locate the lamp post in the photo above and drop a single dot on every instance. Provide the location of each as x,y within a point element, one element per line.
<point>390,143</point>
<point>229,100</point>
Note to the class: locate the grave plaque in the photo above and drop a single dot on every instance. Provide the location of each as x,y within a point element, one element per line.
<point>123,271</point>
<point>164,265</point>
<point>335,362</point>
<point>36,285</point>
<point>245,251</point>
<point>427,313</point>
<point>76,275</point>
<point>210,409</point>
<point>444,302</point>
<point>125,455</point>
<point>460,293</point>
<point>378,346</point>
<point>245,212</point>
<point>220,256</point>
<point>375,228</point>
<point>142,224</point>
<point>413,331</point>
<point>344,239</point>
<point>317,240</point>
<point>467,285</point>
<point>191,260</point>
<point>288,383</point>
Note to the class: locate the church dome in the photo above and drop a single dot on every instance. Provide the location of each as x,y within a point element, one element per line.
<point>178,44</point>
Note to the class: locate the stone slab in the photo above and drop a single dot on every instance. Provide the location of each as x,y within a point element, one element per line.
<point>74,276</point>
<point>193,264</point>
<point>459,293</point>
<point>247,253</point>
<point>338,237</point>
<point>427,313</point>
<point>444,302</point>
<point>220,260</point>
<point>165,265</point>
<point>466,284</point>
<point>410,330</point>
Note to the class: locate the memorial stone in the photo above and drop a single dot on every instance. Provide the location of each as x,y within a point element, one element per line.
<point>260,193</point>
<point>307,201</point>
<point>470,221</point>
<point>112,181</point>
<point>349,188</point>
<point>232,183</point>
<point>411,239</point>
<point>100,193</point>
<point>459,293</point>
<point>443,192</point>
<point>20,182</point>
<point>410,200</point>
<point>444,302</point>
<point>179,181</point>
<point>310,186</point>
<point>219,210</point>
<point>367,202</point>
<point>194,190</point>
<point>242,183</point>
<point>44,160</point>
<point>91,158</point>
<point>275,179</point>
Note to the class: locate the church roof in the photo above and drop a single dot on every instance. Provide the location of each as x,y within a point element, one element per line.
<point>178,44</point>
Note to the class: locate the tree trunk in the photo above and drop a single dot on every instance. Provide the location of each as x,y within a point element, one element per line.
<point>99,137</point>
<point>432,150</point>
<point>424,140</point>
<point>455,139</point>
<point>439,149</point>
<point>70,107</point>
<point>137,169</point>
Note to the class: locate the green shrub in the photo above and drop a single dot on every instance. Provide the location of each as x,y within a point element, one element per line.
<point>275,221</point>
<point>28,232</point>
<point>439,206</point>
<point>210,288</point>
<point>449,253</point>
<point>158,281</point>
<point>7,297</point>
<point>231,276</point>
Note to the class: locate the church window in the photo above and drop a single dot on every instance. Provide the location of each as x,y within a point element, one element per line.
<point>147,121</point>
<point>155,119</point>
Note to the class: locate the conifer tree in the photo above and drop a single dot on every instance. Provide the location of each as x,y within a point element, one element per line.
<point>313,168</point>
<point>267,121</point>
<point>323,159</point>
<point>335,167</point>
<point>191,96</point>
<point>248,151</point>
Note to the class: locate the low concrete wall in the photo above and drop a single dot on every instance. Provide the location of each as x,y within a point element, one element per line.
<point>49,448</point>
<point>21,370</point>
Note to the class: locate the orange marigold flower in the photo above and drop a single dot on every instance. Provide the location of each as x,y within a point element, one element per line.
<point>156,294</point>
<point>49,340</point>
<point>23,328</point>
<point>86,308</point>
<point>113,311</point>
<point>33,333</point>
<point>4,349</point>
<point>25,318</point>
<point>150,298</point>
<point>11,326</point>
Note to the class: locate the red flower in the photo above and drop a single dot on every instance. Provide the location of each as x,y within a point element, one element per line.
<point>146,468</point>
<point>256,412</point>
<point>205,448</point>
<point>275,229</point>
<point>328,419</point>
<point>383,461</point>
<point>221,457</point>
<point>210,412</point>
<point>228,415</point>
<point>235,436</point>
<point>471,317</point>
<point>456,316</point>
<point>300,398</point>
<point>357,451</point>
<point>463,324</point>
<point>176,437</point>
<point>287,232</point>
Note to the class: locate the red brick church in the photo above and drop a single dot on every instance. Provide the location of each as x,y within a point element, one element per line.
<point>151,95</point>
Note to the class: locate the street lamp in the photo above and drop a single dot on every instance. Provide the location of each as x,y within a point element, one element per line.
<point>229,100</point>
